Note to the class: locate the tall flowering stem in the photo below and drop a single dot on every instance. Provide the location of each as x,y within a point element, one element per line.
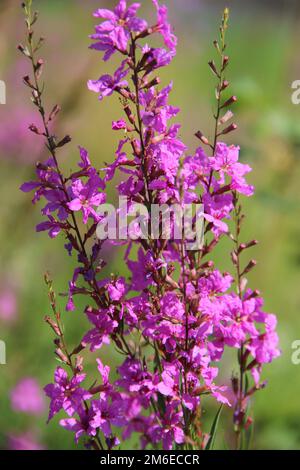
<point>172,318</point>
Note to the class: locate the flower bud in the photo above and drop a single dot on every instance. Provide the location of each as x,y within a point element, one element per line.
<point>64,141</point>
<point>129,114</point>
<point>216,44</point>
<point>245,246</point>
<point>224,85</point>
<point>229,129</point>
<point>234,257</point>
<point>249,266</point>
<point>54,112</point>
<point>34,129</point>
<point>201,137</point>
<point>153,82</point>
<point>231,100</point>
<point>39,68</point>
<point>227,116</point>
<point>27,81</point>
<point>225,62</point>
<point>59,353</point>
<point>235,384</point>
<point>53,325</point>
<point>213,68</point>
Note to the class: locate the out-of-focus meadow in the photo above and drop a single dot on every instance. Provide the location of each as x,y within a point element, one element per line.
<point>263,46</point>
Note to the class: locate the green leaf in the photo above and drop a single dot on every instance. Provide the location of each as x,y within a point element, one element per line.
<point>213,431</point>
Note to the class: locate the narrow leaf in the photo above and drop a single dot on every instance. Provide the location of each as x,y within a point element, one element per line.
<point>213,431</point>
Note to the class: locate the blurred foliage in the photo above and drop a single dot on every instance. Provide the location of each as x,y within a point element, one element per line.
<point>264,62</point>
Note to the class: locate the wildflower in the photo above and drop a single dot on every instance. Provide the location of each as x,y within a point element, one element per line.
<point>177,314</point>
<point>163,26</point>
<point>106,414</point>
<point>81,426</point>
<point>86,196</point>
<point>104,326</point>
<point>65,393</point>
<point>114,33</point>
<point>226,162</point>
<point>107,84</point>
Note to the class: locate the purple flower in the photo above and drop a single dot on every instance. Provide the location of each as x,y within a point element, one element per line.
<point>84,159</point>
<point>118,125</point>
<point>104,327</point>
<point>87,196</point>
<point>107,84</point>
<point>51,226</point>
<point>171,430</point>
<point>177,314</point>
<point>65,393</point>
<point>104,371</point>
<point>142,270</point>
<point>171,306</point>
<point>164,27</point>
<point>116,289</point>
<point>114,33</point>
<point>264,348</point>
<point>137,381</point>
<point>83,425</point>
<point>161,57</point>
<point>107,414</point>
<point>226,162</point>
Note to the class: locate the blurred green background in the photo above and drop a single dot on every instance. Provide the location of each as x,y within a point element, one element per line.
<point>263,46</point>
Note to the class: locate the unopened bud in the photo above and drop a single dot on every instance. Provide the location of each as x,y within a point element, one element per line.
<point>207,265</point>
<point>27,81</point>
<point>234,257</point>
<point>54,112</point>
<point>64,141</point>
<point>254,294</point>
<point>249,266</point>
<point>229,129</point>
<point>79,363</point>
<point>34,129</point>
<point>78,349</point>
<point>231,100</point>
<point>203,139</point>
<point>225,61</point>
<point>213,68</point>
<point>227,116</point>
<point>235,384</point>
<point>216,44</point>
<point>53,325</point>
<point>23,50</point>
<point>129,114</point>
<point>224,85</point>
<point>59,353</point>
<point>153,82</point>
<point>245,246</point>
<point>39,68</point>
<point>144,34</point>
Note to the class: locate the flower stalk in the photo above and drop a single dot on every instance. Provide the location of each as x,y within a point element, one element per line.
<point>171,320</point>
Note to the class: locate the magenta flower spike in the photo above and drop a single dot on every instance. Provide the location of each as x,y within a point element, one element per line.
<point>172,317</point>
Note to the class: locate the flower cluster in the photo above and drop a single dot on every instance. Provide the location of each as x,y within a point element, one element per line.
<point>175,315</point>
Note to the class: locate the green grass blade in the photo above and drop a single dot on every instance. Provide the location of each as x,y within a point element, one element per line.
<point>213,431</point>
